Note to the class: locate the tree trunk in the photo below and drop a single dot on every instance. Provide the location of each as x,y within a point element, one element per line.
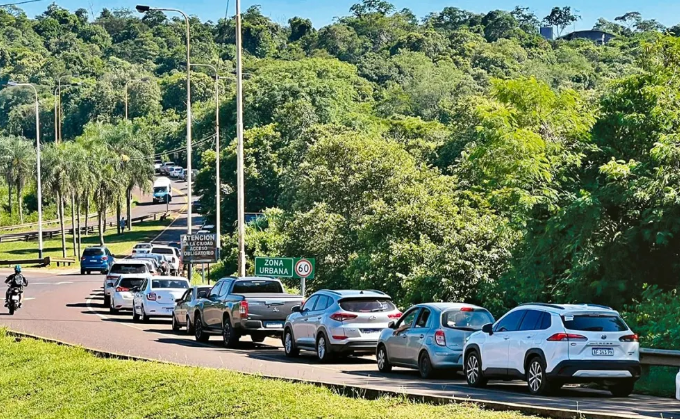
<point>20,202</point>
<point>73,225</point>
<point>101,220</point>
<point>118,216</point>
<point>9,195</point>
<point>60,198</point>
<point>80,233</point>
<point>129,209</point>
<point>87,211</point>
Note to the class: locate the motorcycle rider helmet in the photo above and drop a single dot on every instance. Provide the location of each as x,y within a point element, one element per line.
<point>17,269</point>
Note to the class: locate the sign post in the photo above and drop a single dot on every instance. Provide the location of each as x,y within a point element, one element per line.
<point>199,248</point>
<point>296,268</point>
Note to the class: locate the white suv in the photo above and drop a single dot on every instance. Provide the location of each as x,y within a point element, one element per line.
<point>338,322</point>
<point>550,345</point>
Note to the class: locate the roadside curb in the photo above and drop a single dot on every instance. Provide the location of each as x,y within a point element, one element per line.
<point>370,393</point>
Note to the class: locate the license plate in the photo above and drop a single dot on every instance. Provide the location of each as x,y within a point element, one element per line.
<point>603,352</point>
<point>15,298</point>
<point>371,330</point>
<point>273,325</point>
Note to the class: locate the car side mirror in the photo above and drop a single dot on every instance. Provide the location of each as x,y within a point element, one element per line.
<point>488,329</point>
<point>179,301</point>
<point>296,309</point>
<point>392,325</point>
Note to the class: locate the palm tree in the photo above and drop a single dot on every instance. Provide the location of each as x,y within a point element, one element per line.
<point>56,179</point>
<point>79,176</point>
<point>21,162</point>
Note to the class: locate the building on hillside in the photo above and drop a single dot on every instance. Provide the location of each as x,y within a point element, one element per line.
<point>597,36</point>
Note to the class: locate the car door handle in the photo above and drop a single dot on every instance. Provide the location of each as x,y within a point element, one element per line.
<point>318,318</point>
<point>422,336</point>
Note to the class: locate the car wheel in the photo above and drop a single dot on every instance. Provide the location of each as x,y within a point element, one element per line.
<point>322,351</point>
<point>189,328</point>
<point>135,316</point>
<point>89,272</point>
<point>229,335</point>
<point>622,389</point>
<point>536,377</point>
<point>289,345</point>
<point>473,370</point>
<point>175,323</point>
<point>107,301</point>
<point>383,362</point>
<point>145,318</point>
<point>112,309</point>
<point>82,271</point>
<point>199,333</point>
<point>425,366</point>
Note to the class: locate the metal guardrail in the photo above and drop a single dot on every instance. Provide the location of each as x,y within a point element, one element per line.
<point>47,261</point>
<point>659,357</point>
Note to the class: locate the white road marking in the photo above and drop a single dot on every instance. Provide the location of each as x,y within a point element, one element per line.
<point>25,299</point>
<point>50,283</point>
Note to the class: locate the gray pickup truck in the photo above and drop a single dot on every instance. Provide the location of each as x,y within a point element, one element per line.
<point>237,307</point>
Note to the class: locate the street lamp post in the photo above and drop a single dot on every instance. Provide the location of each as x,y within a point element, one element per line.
<point>217,156</point>
<point>239,133</point>
<point>144,9</point>
<point>37,147</point>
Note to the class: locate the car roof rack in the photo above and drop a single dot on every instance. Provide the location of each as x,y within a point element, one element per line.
<point>555,306</point>
<point>598,306</point>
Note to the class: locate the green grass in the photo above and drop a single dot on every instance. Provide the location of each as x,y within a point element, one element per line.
<point>118,244</point>
<point>45,380</point>
<point>657,381</point>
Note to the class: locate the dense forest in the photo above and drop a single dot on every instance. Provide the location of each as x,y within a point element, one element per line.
<point>458,156</point>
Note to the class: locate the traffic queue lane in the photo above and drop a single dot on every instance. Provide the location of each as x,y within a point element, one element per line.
<point>68,307</point>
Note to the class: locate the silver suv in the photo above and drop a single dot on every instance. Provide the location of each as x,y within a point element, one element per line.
<point>338,322</point>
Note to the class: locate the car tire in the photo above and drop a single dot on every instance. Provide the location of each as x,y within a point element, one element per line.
<point>144,317</point>
<point>622,389</point>
<point>189,327</point>
<point>135,316</point>
<point>229,335</point>
<point>175,324</point>
<point>112,309</point>
<point>537,379</point>
<point>382,359</point>
<point>473,370</point>
<point>323,353</point>
<point>107,301</point>
<point>82,271</point>
<point>199,333</point>
<point>289,347</point>
<point>425,367</point>
<point>89,272</point>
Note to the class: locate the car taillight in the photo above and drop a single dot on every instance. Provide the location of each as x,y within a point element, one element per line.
<point>467,309</point>
<point>338,337</point>
<point>82,258</point>
<point>440,338</point>
<point>151,296</point>
<point>341,317</point>
<point>243,308</point>
<point>122,289</point>
<point>394,316</point>
<point>560,337</point>
<point>629,338</point>
<point>105,258</point>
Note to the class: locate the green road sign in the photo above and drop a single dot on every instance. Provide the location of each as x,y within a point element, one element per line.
<point>285,267</point>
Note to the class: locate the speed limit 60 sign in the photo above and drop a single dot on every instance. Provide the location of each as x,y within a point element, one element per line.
<point>304,268</point>
<point>285,267</point>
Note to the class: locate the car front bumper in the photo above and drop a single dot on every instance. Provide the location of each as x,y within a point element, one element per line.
<point>354,345</point>
<point>121,302</point>
<point>580,371</point>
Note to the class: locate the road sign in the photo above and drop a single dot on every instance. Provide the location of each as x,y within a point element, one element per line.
<point>199,248</point>
<point>285,267</point>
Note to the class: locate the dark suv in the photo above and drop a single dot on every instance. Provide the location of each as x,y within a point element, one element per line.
<point>97,258</point>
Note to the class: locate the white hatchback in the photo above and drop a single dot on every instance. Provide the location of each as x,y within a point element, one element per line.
<point>123,293</point>
<point>156,297</point>
<point>550,345</point>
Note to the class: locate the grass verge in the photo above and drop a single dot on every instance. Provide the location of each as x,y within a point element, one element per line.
<point>119,244</point>
<point>45,380</point>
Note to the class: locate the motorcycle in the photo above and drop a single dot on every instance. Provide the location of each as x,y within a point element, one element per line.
<point>14,301</point>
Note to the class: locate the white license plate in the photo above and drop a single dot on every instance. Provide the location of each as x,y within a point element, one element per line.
<point>603,352</point>
<point>15,298</point>
<point>273,325</point>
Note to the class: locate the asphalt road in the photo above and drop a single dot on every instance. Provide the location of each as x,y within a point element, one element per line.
<point>69,307</point>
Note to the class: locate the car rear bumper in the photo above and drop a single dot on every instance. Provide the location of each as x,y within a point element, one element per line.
<point>258,326</point>
<point>576,371</point>
<point>94,266</point>
<point>363,346</point>
<point>447,358</point>
<point>120,303</point>
<point>153,309</point>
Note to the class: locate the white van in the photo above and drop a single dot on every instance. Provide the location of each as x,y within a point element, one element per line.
<point>162,190</point>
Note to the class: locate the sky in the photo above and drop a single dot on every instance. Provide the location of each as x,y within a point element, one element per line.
<point>323,12</point>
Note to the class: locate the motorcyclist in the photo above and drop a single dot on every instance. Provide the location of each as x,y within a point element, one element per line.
<point>164,268</point>
<point>16,280</point>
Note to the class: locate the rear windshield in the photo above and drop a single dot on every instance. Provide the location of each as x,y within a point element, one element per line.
<point>590,323</point>
<point>257,287</point>
<point>169,283</point>
<point>466,320</point>
<point>93,252</point>
<point>367,305</point>
<point>125,268</point>
<point>143,246</point>
<point>203,293</point>
<point>130,282</point>
<point>162,251</point>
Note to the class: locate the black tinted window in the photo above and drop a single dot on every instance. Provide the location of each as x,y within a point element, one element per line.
<point>510,323</point>
<point>93,252</point>
<point>257,287</point>
<point>367,305</point>
<point>532,320</point>
<point>168,283</point>
<point>407,319</point>
<point>123,268</point>
<point>466,320</point>
<point>130,282</point>
<point>162,251</point>
<point>546,321</point>
<point>202,292</point>
<point>595,323</point>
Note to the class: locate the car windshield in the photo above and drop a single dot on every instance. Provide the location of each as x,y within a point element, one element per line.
<point>169,283</point>
<point>128,268</point>
<point>130,282</point>
<point>257,287</point>
<point>367,305</point>
<point>595,323</point>
<point>466,319</point>
<point>93,252</point>
<point>160,189</point>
